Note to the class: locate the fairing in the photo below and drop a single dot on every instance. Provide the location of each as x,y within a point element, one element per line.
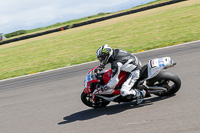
<point>91,78</point>
<point>107,76</point>
<point>157,64</point>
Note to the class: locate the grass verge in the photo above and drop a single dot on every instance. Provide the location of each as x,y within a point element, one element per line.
<point>146,30</point>
<point>71,22</point>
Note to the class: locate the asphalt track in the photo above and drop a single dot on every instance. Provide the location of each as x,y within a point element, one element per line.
<point>50,102</point>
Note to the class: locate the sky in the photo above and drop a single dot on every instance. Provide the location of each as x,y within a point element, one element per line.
<point>31,14</point>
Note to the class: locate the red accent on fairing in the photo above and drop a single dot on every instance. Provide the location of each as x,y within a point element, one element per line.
<point>87,90</point>
<point>116,92</point>
<point>107,76</point>
<point>92,69</point>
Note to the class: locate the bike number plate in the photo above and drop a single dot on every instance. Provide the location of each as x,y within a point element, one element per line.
<point>157,63</point>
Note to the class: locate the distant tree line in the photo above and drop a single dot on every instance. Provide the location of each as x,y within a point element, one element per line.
<point>77,24</point>
<point>16,33</point>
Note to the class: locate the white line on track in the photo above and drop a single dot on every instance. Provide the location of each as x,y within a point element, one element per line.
<point>95,61</point>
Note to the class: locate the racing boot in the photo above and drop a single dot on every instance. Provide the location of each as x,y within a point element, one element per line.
<point>140,94</point>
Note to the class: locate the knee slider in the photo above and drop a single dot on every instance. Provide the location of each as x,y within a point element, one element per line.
<point>124,92</point>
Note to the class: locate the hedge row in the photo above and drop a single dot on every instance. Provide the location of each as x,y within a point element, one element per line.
<point>34,35</point>
<point>91,21</point>
<point>126,13</point>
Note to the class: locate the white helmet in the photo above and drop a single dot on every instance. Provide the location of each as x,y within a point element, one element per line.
<point>104,53</point>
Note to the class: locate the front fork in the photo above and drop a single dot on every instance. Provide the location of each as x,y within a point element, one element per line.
<point>92,91</point>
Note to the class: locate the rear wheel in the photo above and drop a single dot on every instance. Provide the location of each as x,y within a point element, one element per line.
<point>87,100</point>
<point>168,80</point>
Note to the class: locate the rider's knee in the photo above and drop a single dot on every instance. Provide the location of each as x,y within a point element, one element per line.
<point>125,92</point>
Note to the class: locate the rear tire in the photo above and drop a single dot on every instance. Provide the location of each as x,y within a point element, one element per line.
<point>87,100</point>
<point>167,80</point>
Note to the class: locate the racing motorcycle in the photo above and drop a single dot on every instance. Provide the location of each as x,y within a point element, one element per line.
<point>152,79</point>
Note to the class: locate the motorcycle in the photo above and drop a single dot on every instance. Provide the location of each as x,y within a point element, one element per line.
<point>152,79</point>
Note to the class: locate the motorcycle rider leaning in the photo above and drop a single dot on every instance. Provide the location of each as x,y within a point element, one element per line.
<point>121,60</point>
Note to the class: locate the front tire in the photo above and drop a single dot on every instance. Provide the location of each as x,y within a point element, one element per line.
<point>168,80</point>
<point>87,100</point>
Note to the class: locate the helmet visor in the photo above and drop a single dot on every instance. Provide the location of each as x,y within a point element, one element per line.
<point>101,58</point>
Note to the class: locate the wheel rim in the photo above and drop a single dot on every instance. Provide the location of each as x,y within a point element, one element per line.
<point>99,102</point>
<point>168,84</point>
<point>88,99</point>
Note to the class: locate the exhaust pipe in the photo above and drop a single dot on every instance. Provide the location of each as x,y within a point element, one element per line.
<point>156,90</point>
<point>172,64</point>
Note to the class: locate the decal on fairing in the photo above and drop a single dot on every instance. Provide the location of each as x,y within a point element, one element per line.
<point>91,76</point>
<point>158,62</point>
<point>108,74</point>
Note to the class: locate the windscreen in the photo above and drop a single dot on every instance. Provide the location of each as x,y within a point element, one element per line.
<point>90,76</point>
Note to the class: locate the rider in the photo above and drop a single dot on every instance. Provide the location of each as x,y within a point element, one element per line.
<point>121,60</point>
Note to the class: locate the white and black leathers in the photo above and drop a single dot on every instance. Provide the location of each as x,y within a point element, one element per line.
<point>123,60</point>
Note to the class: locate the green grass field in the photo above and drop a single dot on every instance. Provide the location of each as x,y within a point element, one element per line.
<point>71,22</point>
<point>164,26</point>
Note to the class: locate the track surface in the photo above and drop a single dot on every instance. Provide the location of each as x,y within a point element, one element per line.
<point>50,102</point>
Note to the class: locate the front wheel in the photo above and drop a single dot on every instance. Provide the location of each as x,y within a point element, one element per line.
<point>87,100</point>
<point>168,80</point>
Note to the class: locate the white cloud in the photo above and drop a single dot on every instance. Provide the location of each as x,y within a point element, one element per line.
<point>27,14</point>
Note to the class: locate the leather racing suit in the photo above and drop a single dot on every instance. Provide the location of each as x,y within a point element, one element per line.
<point>125,61</point>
